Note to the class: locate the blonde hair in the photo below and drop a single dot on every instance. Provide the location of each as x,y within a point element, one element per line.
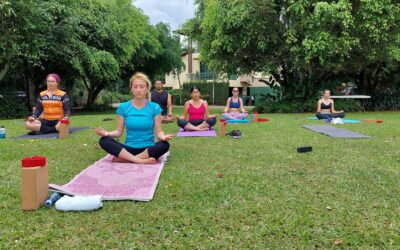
<point>140,76</point>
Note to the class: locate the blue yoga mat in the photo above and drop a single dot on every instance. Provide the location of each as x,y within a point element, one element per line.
<point>237,121</point>
<point>344,120</point>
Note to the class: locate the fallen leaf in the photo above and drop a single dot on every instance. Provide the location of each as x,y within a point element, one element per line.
<point>329,208</point>
<point>338,242</point>
<point>219,175</point>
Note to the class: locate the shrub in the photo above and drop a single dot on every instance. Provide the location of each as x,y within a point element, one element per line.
<point>385,100</point>
<point>176,96</point>
<point>12,107</point>
<point>109,97</point>
<point>221,91</point>
<point>299,106</point>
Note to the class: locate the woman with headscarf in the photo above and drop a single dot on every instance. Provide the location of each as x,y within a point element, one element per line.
<point>52,106</point>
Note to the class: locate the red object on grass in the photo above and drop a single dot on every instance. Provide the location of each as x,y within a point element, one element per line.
<point>223,121</point>
<point>379,121</point>
<point>262,119</point>
<point>64,121</point>
<point>36,161</point>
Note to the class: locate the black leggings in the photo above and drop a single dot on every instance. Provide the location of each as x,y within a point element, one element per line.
<point>210,121</point>
<point>48,126</point>
<point>113,147</point>
<point>326,116</point>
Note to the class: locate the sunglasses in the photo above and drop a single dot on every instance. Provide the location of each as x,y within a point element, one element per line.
<point>235,91</point>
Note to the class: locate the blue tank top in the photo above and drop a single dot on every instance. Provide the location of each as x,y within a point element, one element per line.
<point>234,105</point>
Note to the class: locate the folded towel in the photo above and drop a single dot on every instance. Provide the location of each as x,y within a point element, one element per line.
<point>79,203</point>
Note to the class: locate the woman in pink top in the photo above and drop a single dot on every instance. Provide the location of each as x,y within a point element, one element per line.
<point>196,116</point>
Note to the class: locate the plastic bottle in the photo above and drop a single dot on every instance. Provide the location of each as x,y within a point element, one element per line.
<point>53,198</point>
<point>2,132</point>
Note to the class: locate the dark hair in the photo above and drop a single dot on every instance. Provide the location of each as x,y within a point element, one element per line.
<point>323,91</point>
<point>193,88</point>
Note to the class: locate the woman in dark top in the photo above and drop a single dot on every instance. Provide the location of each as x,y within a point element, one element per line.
<point>162,98</point>
<point>326,109</point>
<point>234,109</point>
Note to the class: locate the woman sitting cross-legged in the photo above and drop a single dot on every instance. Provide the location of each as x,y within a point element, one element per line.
<point>326,109</point>
<point>196,116</point>
<point>234,107</point>
<point>52,105</point>
<point>142,120</point>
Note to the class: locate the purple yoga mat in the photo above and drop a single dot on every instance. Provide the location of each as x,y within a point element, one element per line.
<point>208,133</point>
<point>116,181</point>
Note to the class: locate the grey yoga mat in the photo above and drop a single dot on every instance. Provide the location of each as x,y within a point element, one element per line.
<point>334,132</point>
<point>48,136</point>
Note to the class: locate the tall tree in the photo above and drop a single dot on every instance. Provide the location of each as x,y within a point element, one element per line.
<point>168,59</point>
<point>303,43</point>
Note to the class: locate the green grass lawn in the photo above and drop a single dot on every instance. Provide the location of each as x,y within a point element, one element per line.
<point>269,197</point>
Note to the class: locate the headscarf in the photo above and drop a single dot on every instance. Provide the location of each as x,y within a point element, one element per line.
<point>57,77</point>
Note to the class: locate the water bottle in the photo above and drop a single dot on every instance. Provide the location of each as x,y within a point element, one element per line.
<point>2,132</point>
<point>53,198</point>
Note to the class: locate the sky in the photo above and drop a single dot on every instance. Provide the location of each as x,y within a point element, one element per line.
<point>173,12</point>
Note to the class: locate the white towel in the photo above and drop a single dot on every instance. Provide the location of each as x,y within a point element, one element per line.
<point>79,203</point>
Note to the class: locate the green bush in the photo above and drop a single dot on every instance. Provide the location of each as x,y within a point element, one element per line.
<point>299,106</point>
<point>221,91</point>
<point>386,100</point>
<point>348,105</point>
<point>12,107</point>
<point>109,97</point>
<point>176,96</point>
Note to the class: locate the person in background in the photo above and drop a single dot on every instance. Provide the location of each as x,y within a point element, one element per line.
<point>234,109</point>
<point>162,98</point>
<point>326,109</point>
<point>52,106</point>
<point>196,116</point>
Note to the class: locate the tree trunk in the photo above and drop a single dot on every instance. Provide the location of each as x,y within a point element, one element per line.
<point>92,95</point>
<point>30,90</point>
<point>4,70</point>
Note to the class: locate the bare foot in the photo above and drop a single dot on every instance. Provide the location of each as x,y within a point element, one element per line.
<point>205,129</point>
<point>138,160</point>
<point>120,160</point>
<point>150,160</point>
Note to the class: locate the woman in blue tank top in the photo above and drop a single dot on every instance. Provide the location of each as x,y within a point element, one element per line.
<point>234,109</point>
<point>142,120</point>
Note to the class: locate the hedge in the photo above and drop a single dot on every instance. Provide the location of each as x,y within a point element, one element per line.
<point>221,92</point>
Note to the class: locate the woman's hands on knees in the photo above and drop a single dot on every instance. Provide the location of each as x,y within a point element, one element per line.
<point>31,119</point>
<point>167,137</point>
<point>101,132</point>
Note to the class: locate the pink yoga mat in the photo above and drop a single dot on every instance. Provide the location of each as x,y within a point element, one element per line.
<point>208,133</point>
<point>116,181</point>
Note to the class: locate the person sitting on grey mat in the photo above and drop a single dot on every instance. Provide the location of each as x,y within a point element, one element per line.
<point>52,106</point>
<point>326,109</point>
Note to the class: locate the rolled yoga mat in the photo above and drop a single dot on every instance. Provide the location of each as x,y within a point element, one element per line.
<point>116,181</point>
<point>39,135</point>
<point>334,132</point>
